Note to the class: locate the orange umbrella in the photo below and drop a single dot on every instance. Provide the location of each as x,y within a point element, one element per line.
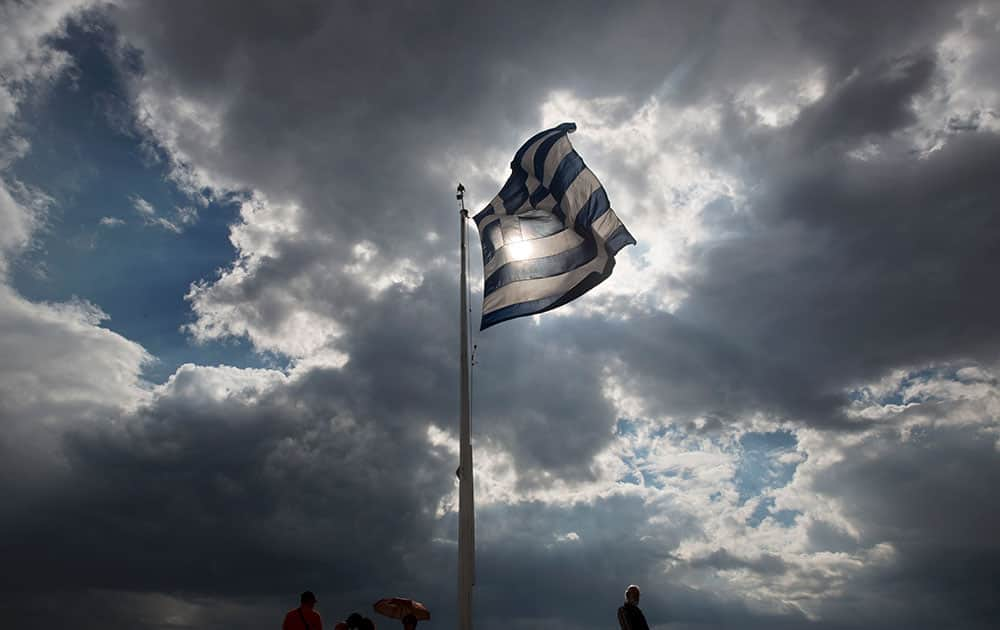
<point>399,607</point>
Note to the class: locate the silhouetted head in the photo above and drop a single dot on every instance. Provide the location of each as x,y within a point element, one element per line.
<point>354,620</point>
<point>632,594</point>
<point>409,622</point>
<point>367,624</point>
<point>308,599</point>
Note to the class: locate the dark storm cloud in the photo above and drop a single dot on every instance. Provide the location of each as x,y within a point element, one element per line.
<point>246,493</point>
<point>347,109</point>
<point>239,485</point>
<point>312,109</point>
<point>839,269</point>
<point>941,514</point>
<point>723,560</point>
<point>858,267</point>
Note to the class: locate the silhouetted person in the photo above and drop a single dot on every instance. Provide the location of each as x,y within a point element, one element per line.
<point>629,615</point>
<point>409,622</point>
<point>353,622</point>
<point>305,616</point>
<point>367,624</point>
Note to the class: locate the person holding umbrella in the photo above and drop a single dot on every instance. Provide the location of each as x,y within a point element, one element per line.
<point>406,610</point>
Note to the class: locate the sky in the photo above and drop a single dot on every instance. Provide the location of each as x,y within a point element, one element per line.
<point>229,294</point>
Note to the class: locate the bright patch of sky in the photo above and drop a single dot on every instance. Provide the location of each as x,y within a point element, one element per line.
<point>118,233</point>
<point>762,464</point>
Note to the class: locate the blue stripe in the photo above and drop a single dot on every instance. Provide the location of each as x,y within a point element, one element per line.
<point>571,166</point>
<point>492,239</point>
<point>516,162</point>
<point>618,239</point>
<point>535,307</point>
<point>485,212</point>
<point>542,153</point>
<point>597,205</point>
<point>566,127</point>
<point>544,267</point>
<point>514,192</point>
<point>558,211</point>
<point>536,197</point>
<point>522,309</point>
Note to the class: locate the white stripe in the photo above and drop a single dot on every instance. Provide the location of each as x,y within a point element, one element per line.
<point>497,204</point>
<point>578,194</point>
<point>605,224</point>
<point>510,228</point>
<point>557,152</point>
<point>528,290</point>
<point>540,248</point>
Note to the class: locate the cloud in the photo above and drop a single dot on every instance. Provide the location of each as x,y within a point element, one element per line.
<point>143,207</point>
<point>22,211</point>
<point>801,351</point>
<point>27,62</point>
<point>184,216</point>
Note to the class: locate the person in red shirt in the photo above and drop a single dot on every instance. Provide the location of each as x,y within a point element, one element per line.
<point>305,616</point>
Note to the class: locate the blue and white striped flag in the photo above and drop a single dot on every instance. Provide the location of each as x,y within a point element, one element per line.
<point>550,235</point>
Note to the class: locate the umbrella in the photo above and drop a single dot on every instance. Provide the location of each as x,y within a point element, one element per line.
<point>399,607</point>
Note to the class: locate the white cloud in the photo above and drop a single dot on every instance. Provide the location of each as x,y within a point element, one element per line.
<point>378,274</point>
<point>967,96</point>
<point>22,211</point>
<point>189,131</point>
<point>184,216</point>
<point>58,352</point>
<point>25,56</point>
<point>206,385</point>
<point>279,318</point>
<point>187,215</point>
<point>777,103</point>
<point>143,207</point>
<point>111,221</point>
<point>659,195</point>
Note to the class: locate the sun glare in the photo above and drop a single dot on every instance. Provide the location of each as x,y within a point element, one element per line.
<point>521,250</point>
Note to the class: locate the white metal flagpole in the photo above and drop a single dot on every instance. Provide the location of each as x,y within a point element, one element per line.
<point>466,505</point>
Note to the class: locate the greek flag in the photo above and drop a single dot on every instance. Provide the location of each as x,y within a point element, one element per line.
<point>550,235</point>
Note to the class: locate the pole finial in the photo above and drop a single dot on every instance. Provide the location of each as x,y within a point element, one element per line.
<point>460,195</point>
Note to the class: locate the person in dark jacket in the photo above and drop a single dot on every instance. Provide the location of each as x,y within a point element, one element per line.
<point>629,615</point>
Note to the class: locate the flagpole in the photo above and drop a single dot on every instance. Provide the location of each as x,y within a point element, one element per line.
<point>466,506</point>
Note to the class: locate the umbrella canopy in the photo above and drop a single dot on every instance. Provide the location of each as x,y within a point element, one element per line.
<point>399,607</point>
